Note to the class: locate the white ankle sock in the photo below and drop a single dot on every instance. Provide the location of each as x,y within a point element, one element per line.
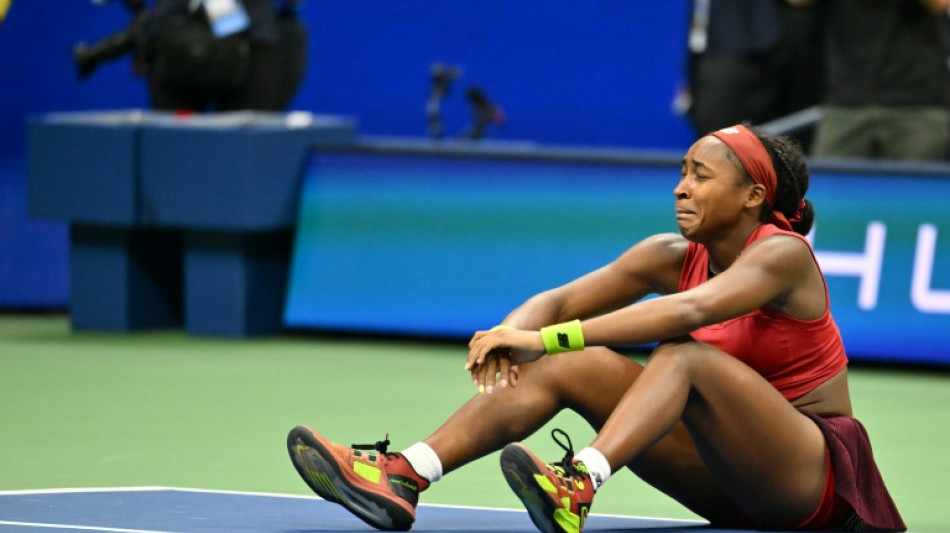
<point>424,461</point>
<point>596,464</point>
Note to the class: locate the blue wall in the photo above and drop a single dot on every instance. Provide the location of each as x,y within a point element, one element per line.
<point>579,73</point>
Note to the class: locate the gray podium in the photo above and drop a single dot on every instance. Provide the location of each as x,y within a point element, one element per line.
<point>176,220</point>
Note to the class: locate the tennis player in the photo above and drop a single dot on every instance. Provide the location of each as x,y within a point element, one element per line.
<point>742,412</point>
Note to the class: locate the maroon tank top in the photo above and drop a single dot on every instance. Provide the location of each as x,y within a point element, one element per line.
<point>794,355</point>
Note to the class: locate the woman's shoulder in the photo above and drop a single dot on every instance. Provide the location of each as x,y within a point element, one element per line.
<point>780,250</point>
<point>770,230</point>
<point>767,235</point>
<point>656,255</point>
<point>668,244</point>
<point>667,239</point>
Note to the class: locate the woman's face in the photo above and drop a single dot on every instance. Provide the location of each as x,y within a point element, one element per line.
<point>712,192</point>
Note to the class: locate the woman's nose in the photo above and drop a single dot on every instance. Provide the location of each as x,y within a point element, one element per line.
<point>680,190</point>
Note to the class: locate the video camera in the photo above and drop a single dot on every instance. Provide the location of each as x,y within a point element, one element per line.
<point>132,39</point>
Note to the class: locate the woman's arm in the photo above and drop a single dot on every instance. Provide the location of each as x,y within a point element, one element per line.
<point>937,6</point>
<point>767,273</point>
<point>651,266</point>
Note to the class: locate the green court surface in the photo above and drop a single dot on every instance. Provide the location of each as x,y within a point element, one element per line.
<point>84,409</point>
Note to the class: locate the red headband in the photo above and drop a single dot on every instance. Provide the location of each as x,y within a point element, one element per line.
<point>756,161</point>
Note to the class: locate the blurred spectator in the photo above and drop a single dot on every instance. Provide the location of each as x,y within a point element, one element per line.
<point>752,61</point>
<point>223,55</point>
<point>888,81</point>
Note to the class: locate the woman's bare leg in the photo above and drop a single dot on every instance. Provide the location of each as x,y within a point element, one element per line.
<point>763,453</point>
<point>592,383</point>
<point>488,422</point>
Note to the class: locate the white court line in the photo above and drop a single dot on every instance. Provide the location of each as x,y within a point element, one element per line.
<point>84,489</point>
<point>290,496</point>
<point>79,528</point>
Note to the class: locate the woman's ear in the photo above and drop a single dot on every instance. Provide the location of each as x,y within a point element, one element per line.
<point>756,196</point>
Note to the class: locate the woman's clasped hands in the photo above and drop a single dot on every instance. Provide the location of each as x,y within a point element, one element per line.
<point>494,356</point>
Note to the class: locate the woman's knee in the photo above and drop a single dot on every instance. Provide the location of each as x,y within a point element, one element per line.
<point>681,350</point>
<point>692,359</point>
<point>574,375</point>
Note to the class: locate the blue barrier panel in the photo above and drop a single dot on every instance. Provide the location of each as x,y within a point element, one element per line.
<point>417,239</point>
<point>176,218</point>
<point>235,171</point>
<point>83,167</point>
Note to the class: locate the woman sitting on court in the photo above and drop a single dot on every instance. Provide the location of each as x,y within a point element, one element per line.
<point>742,412</point>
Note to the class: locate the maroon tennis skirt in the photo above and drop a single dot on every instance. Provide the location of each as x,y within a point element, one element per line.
<point>857,478</point>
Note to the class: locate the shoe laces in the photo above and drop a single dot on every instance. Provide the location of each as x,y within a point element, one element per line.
<point>380,446</point>
<point>567,463</point>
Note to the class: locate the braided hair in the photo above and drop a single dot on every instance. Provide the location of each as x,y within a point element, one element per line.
<point>791,172</point>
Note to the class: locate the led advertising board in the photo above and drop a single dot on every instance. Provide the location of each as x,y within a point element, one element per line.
<point>436,242</point>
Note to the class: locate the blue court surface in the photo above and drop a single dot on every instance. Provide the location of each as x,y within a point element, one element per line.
<point>171,510</point>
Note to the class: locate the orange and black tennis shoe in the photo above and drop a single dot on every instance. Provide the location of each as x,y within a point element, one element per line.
<point>557,496</point>
<point>379,487</point>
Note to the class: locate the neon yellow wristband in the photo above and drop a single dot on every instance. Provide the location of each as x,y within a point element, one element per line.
<point>501,326</point>
<point>566,337</point>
